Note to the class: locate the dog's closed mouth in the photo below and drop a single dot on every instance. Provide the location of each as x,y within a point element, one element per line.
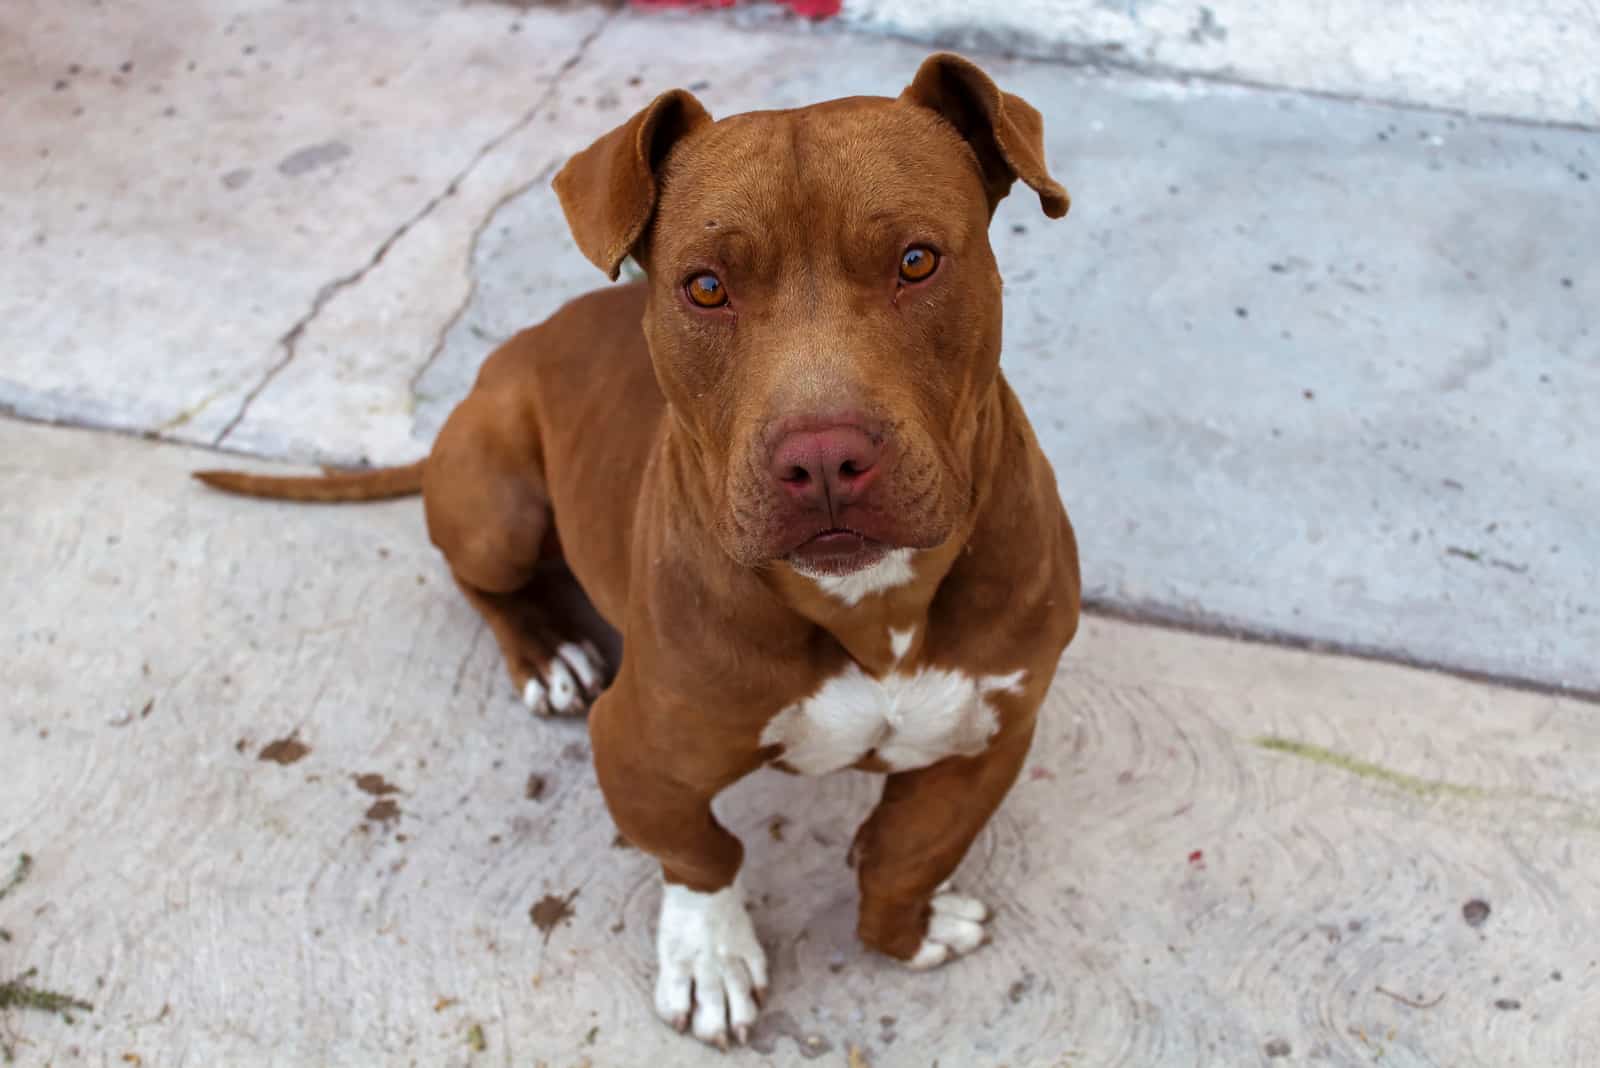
<point>837,551</point>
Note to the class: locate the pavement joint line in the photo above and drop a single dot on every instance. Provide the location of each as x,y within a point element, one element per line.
<point>290,341</point>
<point>1140,613</point>
<point>1167,618</point>
<point>450,322</point>
<point>1096,58</point>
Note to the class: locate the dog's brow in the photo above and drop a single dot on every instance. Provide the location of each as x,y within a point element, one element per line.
<point>730,246</point>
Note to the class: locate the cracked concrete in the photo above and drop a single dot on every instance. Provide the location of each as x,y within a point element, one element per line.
<point>1307,368</point>
<point>342,336</point>
<point>1215,847</point>
<point>1537,60</point>
<point>154,253</point>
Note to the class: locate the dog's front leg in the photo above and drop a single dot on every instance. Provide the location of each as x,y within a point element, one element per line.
<point>712,970</point>
<point>913,842</point>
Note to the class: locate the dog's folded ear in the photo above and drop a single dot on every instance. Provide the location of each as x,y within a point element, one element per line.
<point>1004,131</point>
<point>608,191</point>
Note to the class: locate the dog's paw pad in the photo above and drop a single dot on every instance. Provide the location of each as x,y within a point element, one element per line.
<point>713,971</point>
<point>955,928</point>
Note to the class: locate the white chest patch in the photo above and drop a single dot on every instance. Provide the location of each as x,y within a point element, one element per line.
<point>912,719</point>
<point>893,570</point>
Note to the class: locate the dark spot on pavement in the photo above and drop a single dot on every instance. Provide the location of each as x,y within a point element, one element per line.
<point>1019,989</point>
<point>236,178</point>
<point>1507,1004</point>
<point>775,1025</point>
<point>311,157</point>
<point>374,784</point>
<point>1242,312</point>
<point>550,912</point>
<point>1475,912</point>
<point>284,750</point>
<point>535,788</point>
<point>385,811</point>
<point>574,751</point>
<point>1278,1047</point>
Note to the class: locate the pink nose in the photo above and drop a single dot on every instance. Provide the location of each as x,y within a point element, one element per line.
<point>829,467</point>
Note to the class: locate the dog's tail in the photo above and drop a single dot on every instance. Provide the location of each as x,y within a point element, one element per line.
<point>331,487</point>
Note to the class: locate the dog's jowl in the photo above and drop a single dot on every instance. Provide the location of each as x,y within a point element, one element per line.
<point>786,468</point>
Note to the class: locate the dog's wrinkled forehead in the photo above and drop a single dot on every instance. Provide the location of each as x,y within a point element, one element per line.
<point>831,175</point>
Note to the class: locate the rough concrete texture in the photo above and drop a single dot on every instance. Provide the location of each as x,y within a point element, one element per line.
<point>1305,367</point>
<point>1536,60</point>
<point>183,188</point>
<point>1219,853</point>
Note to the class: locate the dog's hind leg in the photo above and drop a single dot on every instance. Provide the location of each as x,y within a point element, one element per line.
<point>483,491</point>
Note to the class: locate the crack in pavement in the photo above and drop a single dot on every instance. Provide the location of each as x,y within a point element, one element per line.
<point>290,341</point>
<point>472,272</point>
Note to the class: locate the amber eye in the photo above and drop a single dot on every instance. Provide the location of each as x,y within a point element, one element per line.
<point>706,290</point>
<point>917,263</point>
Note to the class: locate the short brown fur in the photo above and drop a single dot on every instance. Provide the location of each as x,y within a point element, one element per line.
<point>629,435</point>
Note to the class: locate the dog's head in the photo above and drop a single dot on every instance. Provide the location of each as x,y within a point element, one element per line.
<point>824,306</point>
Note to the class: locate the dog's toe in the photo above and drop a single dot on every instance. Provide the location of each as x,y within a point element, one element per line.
<point>585,662</point>
<point>536,697</point>
<point>712,968</point>
<point>955,928</point>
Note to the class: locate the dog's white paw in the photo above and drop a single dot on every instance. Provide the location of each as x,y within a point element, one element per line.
<point>713,972</point>
<point>567,683</point>
<point>955,928</point>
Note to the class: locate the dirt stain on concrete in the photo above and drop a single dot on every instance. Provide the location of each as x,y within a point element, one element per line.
<point>385,811</point>
<point>374,784</point>
<point>311,157</point>
<point>550,912</point>
<point>1564,811</point>
<point>284,750</point>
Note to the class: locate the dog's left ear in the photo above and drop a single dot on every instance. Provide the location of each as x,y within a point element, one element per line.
<point>608,191</point>
<point>1004,130</point>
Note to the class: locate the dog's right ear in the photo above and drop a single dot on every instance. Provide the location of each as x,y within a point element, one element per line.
<point>608,191</point>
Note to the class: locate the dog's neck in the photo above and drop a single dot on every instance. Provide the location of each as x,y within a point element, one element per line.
<point>880,614</point>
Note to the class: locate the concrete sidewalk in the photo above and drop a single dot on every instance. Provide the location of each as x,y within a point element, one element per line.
<point>1308,367</point>
<point>285,809</point>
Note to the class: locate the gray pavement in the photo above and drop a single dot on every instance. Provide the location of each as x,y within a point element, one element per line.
<point>285,809</point>
<point>1312,369</point>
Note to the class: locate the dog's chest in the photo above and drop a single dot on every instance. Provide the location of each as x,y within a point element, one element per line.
<point>909,718</point>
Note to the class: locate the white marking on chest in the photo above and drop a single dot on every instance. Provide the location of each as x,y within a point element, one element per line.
<point>912,719</point>
<point>900,642</point>
<point>893,570</point>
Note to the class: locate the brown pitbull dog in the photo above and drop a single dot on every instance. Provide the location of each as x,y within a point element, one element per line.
<point>788,470</point>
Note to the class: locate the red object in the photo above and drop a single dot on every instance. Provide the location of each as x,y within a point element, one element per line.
<point>810,9</point>
<point>814,9</point>
<point>1197,857</point>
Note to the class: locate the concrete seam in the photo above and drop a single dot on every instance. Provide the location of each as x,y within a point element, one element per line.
<point>472,273</point>
<point>290,341</point>
<point>1143,613</point>
<point>1097,58</point>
